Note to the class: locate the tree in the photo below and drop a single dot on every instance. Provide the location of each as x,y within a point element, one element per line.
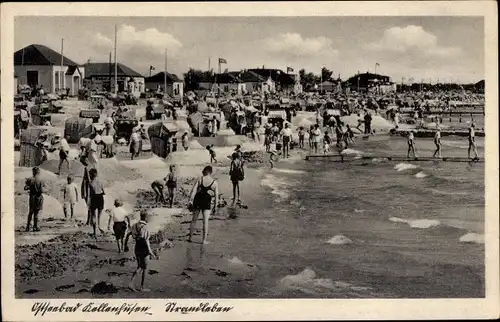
<point>326,74</point>
<point>308,79</point>
<point>194,77</point>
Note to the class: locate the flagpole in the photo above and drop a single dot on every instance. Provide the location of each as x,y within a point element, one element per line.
<point>218,85</point>
<point>165,75</point>
<point>62,63</point>
<point>109,71</point>
<point>116,64</point>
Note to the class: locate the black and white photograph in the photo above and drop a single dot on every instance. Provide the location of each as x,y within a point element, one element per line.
<point>248,157</point>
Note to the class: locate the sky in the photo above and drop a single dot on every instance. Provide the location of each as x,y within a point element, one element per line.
<point>419,48</point>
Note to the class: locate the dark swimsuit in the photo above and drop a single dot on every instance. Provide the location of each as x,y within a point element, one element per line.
<point>203,199</point>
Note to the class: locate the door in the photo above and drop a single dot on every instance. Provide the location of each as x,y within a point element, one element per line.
<point>76,85</point>
<point>32,78</point>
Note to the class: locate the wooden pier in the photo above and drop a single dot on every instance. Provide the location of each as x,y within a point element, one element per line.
<point>351,158</point>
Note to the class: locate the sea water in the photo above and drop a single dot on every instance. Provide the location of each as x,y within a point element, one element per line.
<point>364,229</point>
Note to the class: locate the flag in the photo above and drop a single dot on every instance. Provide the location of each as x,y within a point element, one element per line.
<point>151,68</point>
<point>289,70</point>
<point>377,64</point>
<point>222,61</point>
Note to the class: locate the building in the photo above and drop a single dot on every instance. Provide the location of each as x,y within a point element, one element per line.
<point>283,82</point>
<point>38,65</point>
<point>330,86</point>
<point>368,82</point>
<point>175,86</point>
<point>224,82</point>
<point>101,77</point>
<point>253,82</point>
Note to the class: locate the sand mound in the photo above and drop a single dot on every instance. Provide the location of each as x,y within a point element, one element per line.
<point>111,170</point>
<point>226,132</point>
<point>195,145</point>
<point>154,162</point>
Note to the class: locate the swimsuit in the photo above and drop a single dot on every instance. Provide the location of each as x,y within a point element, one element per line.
<point>202,199</point>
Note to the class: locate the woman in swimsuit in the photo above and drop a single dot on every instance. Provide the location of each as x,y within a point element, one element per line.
<point>201,201</point>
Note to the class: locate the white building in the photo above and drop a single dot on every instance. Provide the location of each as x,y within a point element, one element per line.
<point>38,65</point>
<point>101,77</point>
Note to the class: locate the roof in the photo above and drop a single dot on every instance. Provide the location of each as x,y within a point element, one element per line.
<point>276,75</point>
<point>71,70</point>
<point>160,77</point>
<point>249,76</point>
<point>226,78</point>
<point>40,55</point>
<point>104,69</point>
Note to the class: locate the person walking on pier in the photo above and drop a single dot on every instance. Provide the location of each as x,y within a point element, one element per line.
<point>411,145</point>
<point>472,142</point>
<point>437,142</point>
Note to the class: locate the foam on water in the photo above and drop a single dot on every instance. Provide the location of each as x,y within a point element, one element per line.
<point>339,240</point>
<point>404,166</point>
<point>278,186</point>
<point>472,238</point>
<point>351,152</point>
<point>236,261</point>
<point>421,174</point>
<point>307,282</point>
<point>417,223</point>
<point>288,171</point>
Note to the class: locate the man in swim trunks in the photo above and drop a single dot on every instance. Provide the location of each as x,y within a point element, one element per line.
<point>140,232</point>
<point>96,201</point>
<point>472,141</point>
<point>121,221</point>
<point>411,145</point>
<point>316,133</point>
<point>286,134</point>
<point>36,187</point>
<point>437,142</point>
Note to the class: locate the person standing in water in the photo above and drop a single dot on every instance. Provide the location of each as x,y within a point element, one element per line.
<point>301,137</point>
<point>201,201</point>
<point>140,232</point>
<point>411,145</point>
<point>236,174</point>
<point>171,184</point>
<point>437,142</point>
<point>286,134</point>
<point>326,142</point>
<point>472,142</point>
<point>316,133</point>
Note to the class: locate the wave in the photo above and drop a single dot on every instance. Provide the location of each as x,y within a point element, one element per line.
<point>279,187</point>
<point>307,282</point>
<point>421,174</point>
<point>290,171</point>
<point>339,240</point>
<point>351,152</point>
<point>472,238</point>
<point>417,223</point>
<point>404,166</point>
<point>448,193</point>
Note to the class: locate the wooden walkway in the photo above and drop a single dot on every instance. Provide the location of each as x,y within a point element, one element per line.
<point>350,158</point>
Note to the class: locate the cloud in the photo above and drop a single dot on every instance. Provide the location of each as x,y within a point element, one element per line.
<point>292,44</point>
<point>137,43</point>
<point>412,38</point>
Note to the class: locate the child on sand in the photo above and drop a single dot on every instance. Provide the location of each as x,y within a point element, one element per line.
<point>121,221</point>
<point>70,197</point>
<point>140,232</point>
<point>171,180</point>
<point>157,187</point>
<point>211,152</point>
